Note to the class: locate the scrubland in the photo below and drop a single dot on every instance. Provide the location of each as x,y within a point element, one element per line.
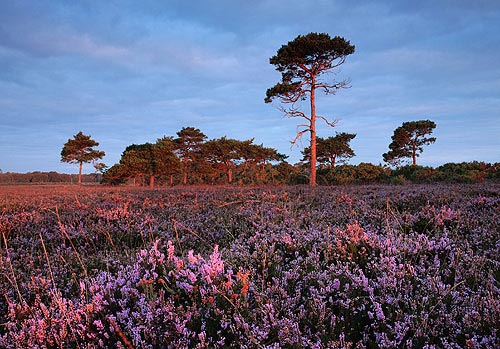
<point>414,266</point>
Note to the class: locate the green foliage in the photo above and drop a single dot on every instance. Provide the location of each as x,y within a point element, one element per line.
<point>223,152</point>
<point>255,159</point>
<point>316,53</point>
<point>303,60</point>
<point>116,174</point>
<point>79,149</point>
<point>363,173</point>
<point>416,174</point>
<point>465,172</point>
<point>188,146</point>
<point>408,140</point>
<point>190,158</point>
<point>149,159</point>
<point>332,150</point>
<point>468,172</point>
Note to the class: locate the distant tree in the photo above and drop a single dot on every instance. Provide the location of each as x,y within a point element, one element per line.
<point>135,161</point>
<point>188,147</point>
<point>408,140</point>
<point>78,150</point>
<point>332,149</point>
<point>283,172</point>
<point>115,174</point>
<point>150,160</point>
<point>100,167</point>
<point>256,156</point>
<point>223,153</point>
<point>167,162</point>
<point>302,63</point>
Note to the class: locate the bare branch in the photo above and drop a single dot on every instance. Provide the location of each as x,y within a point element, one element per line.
<point>303,125</point>
<point>329,123</point>
<point>332,88</point>
<point>293,112</point>
<point>299,135</point>
<point>341,60</point>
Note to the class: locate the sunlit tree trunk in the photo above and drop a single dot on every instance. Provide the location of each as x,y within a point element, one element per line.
<point>414,153</point>
<point>185,176</point>
<point>80,174</point>
<point>151,181</point>
<point>312,180</point>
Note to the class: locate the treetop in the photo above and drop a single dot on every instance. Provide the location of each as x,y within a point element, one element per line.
<point>79,149</point>
<point>312,49</point>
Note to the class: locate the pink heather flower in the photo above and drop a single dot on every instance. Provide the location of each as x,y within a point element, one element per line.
<point>206,271</point>
<point>216,263</point>
<point>192,258</point>
<point>170,250</point>
<point>179,264</point>
<point>99,325</point>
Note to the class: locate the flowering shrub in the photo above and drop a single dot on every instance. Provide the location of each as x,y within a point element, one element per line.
<point>352,267</point>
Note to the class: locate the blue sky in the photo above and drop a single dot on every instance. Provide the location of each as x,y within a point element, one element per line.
<point>129,72</point>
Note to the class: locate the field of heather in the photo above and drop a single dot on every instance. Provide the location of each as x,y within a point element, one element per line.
<point>413,266</point>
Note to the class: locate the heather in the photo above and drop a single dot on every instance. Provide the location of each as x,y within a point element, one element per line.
<point>372,266</point>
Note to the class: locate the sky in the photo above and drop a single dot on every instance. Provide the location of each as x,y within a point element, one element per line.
<point>130,72</point>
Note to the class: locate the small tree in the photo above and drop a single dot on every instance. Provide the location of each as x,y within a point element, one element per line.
<point>255,157</point>
<point>78,150</point>
<point>151,160</point>
<point>408,140</point>
<point>188,147</point>
<point>167,162</point>
<point>135,161</point>
<point>332,149</point>
<point>302,63</point>
<point>223,153</point>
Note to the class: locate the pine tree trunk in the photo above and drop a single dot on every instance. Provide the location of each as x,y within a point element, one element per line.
<point>151,181</point>
<point>80,174</point>
<point>414,154</point>
<point>312,178</point>
<point>185,177</point>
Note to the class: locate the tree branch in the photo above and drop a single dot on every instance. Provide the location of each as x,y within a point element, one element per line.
<point>331,88</point>
<point>329,123</point>
<point>299,134</point>
<point>293,112</point>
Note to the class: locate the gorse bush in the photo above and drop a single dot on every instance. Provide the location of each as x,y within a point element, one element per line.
<point>362,267</point>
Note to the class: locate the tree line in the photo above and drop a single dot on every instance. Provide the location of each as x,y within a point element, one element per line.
<point>190,158</point>
<point>282,173</point>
